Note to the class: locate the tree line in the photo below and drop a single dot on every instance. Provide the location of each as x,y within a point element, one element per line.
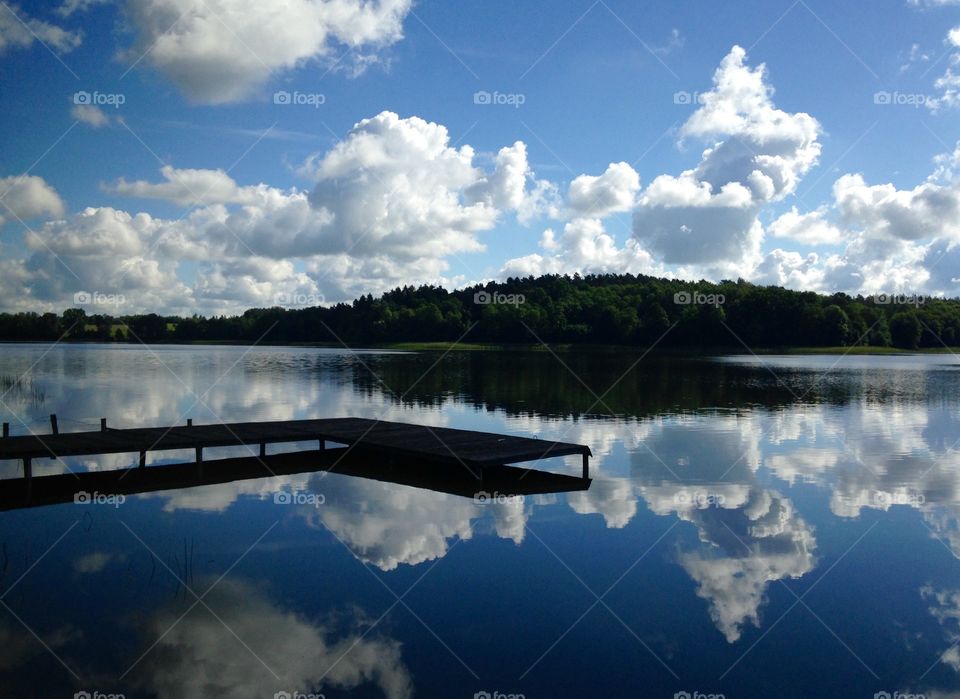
<point>621,309</point>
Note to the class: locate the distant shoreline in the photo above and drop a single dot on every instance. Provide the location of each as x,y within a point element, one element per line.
<point>525,347</point>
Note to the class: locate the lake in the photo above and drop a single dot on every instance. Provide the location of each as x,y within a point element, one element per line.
<point>783,526</point>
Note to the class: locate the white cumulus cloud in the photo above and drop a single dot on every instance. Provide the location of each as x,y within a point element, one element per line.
<point>27,196</point>
<point>708,215</point>
<point>218,51</point>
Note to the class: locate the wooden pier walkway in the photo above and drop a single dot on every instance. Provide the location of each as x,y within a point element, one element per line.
<point>476,450</point>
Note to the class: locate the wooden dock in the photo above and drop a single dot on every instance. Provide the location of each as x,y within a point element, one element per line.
<point>475,450</point>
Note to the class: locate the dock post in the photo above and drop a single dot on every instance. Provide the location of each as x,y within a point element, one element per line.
<point>143,459</point>
<point>27,467</point>
<point>323,444</point>
<point>586,466</point>
<point>199,454</point>
<point>189,422</point>
<point>263,449</point>
<point>6,429</point>
<point>55,429</point>
<point>103,424</point>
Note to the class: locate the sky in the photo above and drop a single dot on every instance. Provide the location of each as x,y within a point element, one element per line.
<point>208,156</point>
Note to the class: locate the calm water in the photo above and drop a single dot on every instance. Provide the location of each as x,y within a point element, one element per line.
<point>784,528</point>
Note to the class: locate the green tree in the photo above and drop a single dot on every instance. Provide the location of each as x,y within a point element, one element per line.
<point>905,330</point>
<point>836,326</point>
<point>880,332</point>
<point>75,320</point>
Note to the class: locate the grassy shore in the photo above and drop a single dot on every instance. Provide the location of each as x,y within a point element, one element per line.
<point>479,347</point>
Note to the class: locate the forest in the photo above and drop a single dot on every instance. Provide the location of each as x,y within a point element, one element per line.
<point>605,309</point>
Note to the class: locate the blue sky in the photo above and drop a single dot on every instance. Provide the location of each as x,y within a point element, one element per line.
<point>817,149</point>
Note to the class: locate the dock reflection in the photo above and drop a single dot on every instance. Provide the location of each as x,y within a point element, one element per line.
<point>450,478</point>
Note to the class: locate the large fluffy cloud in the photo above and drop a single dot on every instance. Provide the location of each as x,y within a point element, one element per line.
<point>102,250</point>
<point>584,246</point>
<point>896,238</point>
<point>927,211</point>
<point>395,184</point>
<point>812,227</point>
<point>512,185</point>
<point>192,187</point>
<point>704,221</point>
<point>219,51</point>
<point>610,192</point>
<point>708,215</point>
<point>27,196</point>
<point>396,199</point>
<point>387,205</point>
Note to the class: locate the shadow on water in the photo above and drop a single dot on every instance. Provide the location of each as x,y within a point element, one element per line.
<point>17,493</point>
<point>631,384</point>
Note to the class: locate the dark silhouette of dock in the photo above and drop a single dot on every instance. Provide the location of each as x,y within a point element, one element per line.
<point>372,445</point>
<point>40,491</point>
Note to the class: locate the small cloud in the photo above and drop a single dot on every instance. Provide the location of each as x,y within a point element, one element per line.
<point>932,3</point>
<point>20,30</point>
<point>676,41</point>
<point>92,562</point>
<point>949,82</point>
<point>914,56</point>
<point>90,115</point>
<point>69,7</point>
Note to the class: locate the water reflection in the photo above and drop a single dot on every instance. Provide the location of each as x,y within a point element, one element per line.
<point>767,477</point>
<point>387,525</point>
<point>240,644</point>
<point>945,608</point>
<point>20,648</point>
<point>743,550</point>
<point>704,471</point>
